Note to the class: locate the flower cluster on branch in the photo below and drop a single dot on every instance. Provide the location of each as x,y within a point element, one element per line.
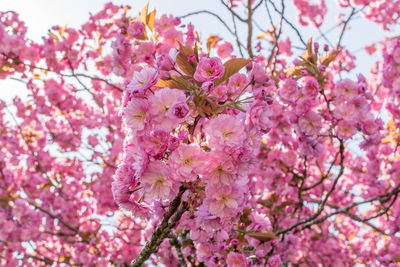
<point>138,142</point>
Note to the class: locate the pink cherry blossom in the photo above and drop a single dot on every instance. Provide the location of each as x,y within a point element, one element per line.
<point>310,123</point>
<point>142,81</point>
<point>209,69</point>
<point>346,89</point>
<point>346,129</point>
<point>179,110</point>
<point>186,162</point>
<point>220,171</point>
<point>259,116</point>
<point>135,29</point>
<point>224,200</point>
<point>165,62</point>
<point>154,143</point>
<point>157,181</point>
<point>236,259</point>
<point>224,49</point>
<point>237,83</point>
<point>258,74</point>
<point>289,91</point>
<point>136,114</point>
<point>165,108</point>
<point>225,132</point>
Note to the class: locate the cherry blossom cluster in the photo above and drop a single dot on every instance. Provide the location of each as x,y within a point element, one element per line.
<point>383,13</point>
<point>60,145</point>
<point>139,141</point>
<point>213,138</point>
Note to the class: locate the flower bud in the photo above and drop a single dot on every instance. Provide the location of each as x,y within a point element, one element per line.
<point>165,62</point>
<point>316,47</point>
<point>192,59</point>
<point>180,110</point>
<point>208,87</point>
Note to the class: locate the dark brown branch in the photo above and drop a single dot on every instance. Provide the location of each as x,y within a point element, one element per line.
<point>192,128</point>
<point>99,79</point>
<point>39,164</point>
<point>325,199</point>
<point>18,80</point>
<point>382,198</point>
<point>173,240</point>
<point>354,217</point>
<point>95,98</point>
<point>257,5</point>
<point>163,229</point>
<point>324,176</point>
<point>325,37</point>
<point>233,12</point>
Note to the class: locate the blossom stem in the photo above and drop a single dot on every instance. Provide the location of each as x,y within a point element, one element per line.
<point>241,92</point>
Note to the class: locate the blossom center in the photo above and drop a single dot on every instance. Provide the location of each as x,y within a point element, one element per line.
<point>160,180</point>
<point>224,198</point>
<point>139,115</point>
<point>227,133</point>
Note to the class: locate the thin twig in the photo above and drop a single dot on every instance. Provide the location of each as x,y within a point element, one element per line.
<point>209,13</point>
<point>289,23</point>
<point>353,11</point>
<point>70,75</point>
<point>325,199</point>
<point>257,5</point>
<point>324,37</point>
<point>233,12</point>
<point>276,35</point>
<point>239,44</point>
<point>343,210</point>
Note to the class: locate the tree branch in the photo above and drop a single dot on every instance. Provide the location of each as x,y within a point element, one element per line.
<point>233,12</point>
<point>249,28</point>
<point>325,199</point>
<point>288,22</point>
<point>163,229</point>
<point>353,11</point>
<point>173,240</point>
<point>344,210</point>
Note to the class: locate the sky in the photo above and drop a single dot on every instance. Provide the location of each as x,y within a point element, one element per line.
<point>41,15</point>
